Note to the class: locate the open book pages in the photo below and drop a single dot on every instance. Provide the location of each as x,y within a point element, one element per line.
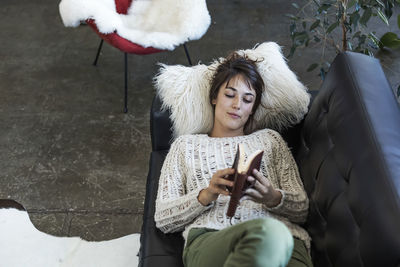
<point>245,162</point>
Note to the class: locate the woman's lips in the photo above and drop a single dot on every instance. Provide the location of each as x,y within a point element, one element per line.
<point>233,115</point>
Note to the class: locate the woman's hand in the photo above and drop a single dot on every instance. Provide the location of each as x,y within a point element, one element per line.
<point>217,186</point>
<point>262,191</point>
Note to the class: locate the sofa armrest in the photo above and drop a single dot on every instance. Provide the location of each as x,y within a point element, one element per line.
<point>157,248</point>
<point>349,160</point>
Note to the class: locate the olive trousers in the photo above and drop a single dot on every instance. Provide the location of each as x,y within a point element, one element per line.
<point>261,242</point>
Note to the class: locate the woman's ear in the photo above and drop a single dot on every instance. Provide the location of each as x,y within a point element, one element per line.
<point>214,101</point>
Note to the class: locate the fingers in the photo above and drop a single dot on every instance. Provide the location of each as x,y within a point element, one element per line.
<point>254,194</point>
<point>223,192</point>
<point>262,191</point>
<point>257,185</point>
<point>219,183</point>
<point>261,178</point>
<point>216,190</point>
<point>251,180</point>
<point>224,172</point>
<point>260,188</point>
<point>219,179</point>
<point>222,181</point>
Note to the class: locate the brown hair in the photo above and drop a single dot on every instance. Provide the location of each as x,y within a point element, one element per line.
<point>233,65</point>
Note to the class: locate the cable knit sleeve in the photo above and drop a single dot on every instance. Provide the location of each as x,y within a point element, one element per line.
<point>294,202</point>
<point>175,207</point>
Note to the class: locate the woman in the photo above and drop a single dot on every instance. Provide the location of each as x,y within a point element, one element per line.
<point>193,196</point>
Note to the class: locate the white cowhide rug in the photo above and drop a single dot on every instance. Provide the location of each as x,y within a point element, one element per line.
<point>21,244</point>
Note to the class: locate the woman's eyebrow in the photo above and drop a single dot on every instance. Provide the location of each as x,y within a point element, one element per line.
<point>234,89</point>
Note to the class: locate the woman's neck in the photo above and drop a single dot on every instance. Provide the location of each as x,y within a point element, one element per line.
<point>215,132</point>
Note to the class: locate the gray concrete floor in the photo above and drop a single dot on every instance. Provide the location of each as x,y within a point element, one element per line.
<point>67,152</point>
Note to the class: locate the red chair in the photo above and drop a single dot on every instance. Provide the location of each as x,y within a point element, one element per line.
<point>124,45</point>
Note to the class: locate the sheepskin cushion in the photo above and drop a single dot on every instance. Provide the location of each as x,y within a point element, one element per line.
<point>146,23</point>
<point>185,91</point>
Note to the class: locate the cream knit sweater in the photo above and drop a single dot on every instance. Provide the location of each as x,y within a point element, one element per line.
<point>189,166</point>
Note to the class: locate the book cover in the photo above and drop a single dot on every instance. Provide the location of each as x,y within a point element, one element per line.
<point>243,168</point>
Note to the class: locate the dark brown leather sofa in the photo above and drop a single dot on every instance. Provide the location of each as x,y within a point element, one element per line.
<point>348,152</point>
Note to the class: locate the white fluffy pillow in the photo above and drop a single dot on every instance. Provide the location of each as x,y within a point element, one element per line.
<point>185,91</point>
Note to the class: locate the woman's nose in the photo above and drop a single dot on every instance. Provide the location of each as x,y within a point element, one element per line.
<point>236,103</point>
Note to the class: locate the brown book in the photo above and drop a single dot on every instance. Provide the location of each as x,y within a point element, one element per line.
<point>243,168</point>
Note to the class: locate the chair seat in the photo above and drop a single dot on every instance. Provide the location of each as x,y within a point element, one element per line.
<point>121,43</point>
<point>146,23</point>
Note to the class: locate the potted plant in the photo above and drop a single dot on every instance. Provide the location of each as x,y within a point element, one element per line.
<point>342,24</point>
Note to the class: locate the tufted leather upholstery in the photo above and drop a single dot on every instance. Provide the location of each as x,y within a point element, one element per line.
<point>349,159</point>
<point>348,152</point>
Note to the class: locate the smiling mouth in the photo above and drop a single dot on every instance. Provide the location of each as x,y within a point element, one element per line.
<point>233,115</point>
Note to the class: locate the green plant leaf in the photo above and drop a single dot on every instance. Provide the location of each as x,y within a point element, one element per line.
<point>292,50</point>
<point>301,38</point>
<point>332,27</point>
<point>312,67</point>
<point>375,40</point>
<point>380,3</point>
<point>292,28</point>
<point>382,16</point>
<point>354,18</point>
<point>356,35</point>
<point>366,16</point>
<point>339,12</point>
<point>398,19</point>
<point>390,40</point>
<point>358,7</point>
<point>388,8</point>
<point>348,27</point>
<point>350,45</point>
<point>361,40</point>
<point>324,7</point>
<point>315,25</point>
<point>351,3</point>
<point>318,4</point>
<point>291,16</point>
<point>295,5</point>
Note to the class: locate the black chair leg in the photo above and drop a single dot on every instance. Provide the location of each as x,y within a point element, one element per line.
<point>187,54</point>
<point>126,74</point>
<point>126,84</point>
<point>98,52</point>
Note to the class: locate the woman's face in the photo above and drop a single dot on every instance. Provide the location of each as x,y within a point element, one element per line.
<point>233,106</point>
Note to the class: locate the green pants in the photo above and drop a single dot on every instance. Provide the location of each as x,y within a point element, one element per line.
<point>261,242</point>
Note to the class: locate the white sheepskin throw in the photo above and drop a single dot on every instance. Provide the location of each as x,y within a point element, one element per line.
<point>162,24</point>
<point>185,91</point>
<point>23,245</point>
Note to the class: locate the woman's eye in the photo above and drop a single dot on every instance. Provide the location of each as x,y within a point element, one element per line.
<point>230,96</point>
<point>247,100</point>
